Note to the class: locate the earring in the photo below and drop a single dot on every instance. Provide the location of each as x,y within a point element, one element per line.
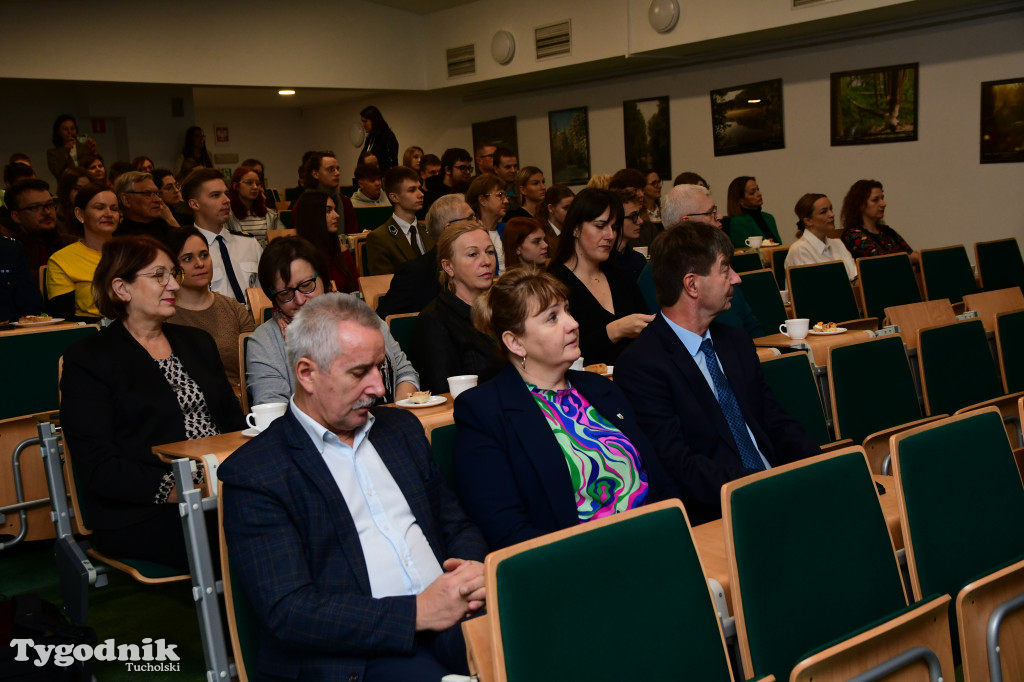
<point>523,361</point>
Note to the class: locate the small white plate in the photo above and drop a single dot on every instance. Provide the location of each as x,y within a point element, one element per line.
<point>250,432</point>
<point>41,323</point>
<point>837,330</point>
<point>434,400</point>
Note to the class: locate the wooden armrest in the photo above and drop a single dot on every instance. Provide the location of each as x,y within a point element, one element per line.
<point>974,605</point>
<point>868,323</point>
<point>837,445</point>
<point>479,652</point>
<point>877,444</point>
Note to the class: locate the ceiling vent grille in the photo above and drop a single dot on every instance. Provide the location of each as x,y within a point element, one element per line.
<point>553,40</point>
<point>461,60</point>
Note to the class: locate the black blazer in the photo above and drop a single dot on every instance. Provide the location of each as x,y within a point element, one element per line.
<point>445,343</point>
<point>116,405</point>
<point>414,285</point>
<point>511,472</point>
<point>682,417</point>
<point>592,316</point>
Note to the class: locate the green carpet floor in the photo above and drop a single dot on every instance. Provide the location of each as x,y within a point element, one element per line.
<point>124,610</point>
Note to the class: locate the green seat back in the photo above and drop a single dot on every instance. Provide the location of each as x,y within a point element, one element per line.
<point>964,501</point>
<point>646,283</point>
<point>30,369</point>
<point>822,293</point>
<point>401,331</point>
<point>292,193</point>
<point>810,578</point>
<point>792,381</point>
<point>957,366</point>
<point>947,273</point>
<point>887,281</point>
<point>762,293</point>
<point>1000,264</point>
<point>650,560</point>
<point>1010,332</point>
<point>745,262</point>
<point>286,218</point>
<point>873,387</point>
<point>347,190</point>
<point>364,258</point>
<point>779,266</point>
<point>371,218</point>
<point>442,445</point>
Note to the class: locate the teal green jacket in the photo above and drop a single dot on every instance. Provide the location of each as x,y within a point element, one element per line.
<point>743,226</point>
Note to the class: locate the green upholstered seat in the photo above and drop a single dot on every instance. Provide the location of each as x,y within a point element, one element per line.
<point>956,366</point>
<point>30,369</point>
<point>792,381</point>
<point>646,283</point>
<point>747,261</point>
<point>442,445</point>
<point>947,273</point>
<point>762,293</point>
<point>243,625</point>
<point>806,579</point>
<point>872,387</point>
<point>401,327</point>
<point>822,293</point>
<point>1010,342</point>
<point>624,601</point>
<point>886,281</point>
<point>372,218</point>
<point>286,218</point>
<point>999,264</point>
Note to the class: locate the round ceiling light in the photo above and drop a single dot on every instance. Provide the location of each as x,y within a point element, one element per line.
<point>663,15</point>
<point>503,47</point>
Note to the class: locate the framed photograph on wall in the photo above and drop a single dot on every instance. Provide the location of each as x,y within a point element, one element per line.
<point>747,118</point>
<point>570,146</point>
<point>500,132</point>
<point>872,106</point>
<point>1002,121</point>
<point>646,129</point>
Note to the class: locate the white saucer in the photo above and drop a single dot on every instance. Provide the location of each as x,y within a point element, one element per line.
<point>434,400</point>
<point>249,433</point>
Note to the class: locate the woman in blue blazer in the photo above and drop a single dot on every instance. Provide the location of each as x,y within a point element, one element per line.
<point>541,447</point>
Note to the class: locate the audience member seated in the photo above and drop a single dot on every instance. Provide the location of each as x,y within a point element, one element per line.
<point>652,198</point>
<point>530,190</point>
<point>321,171</point>
<point>506,167</point>
<point>292,273</point>
<point>70,183</point>
<point>143,211</point>
<point>813,245</point>
<point>368,194</point>
<point>136,384</point>
<point>690,178</point>
<point>117,169</point>
<point>34,221</point>
<point>455,176</point>
<point>444,341</point>
<point>746,219</point>
<point>524,244</point>
<point>626,258</point>
<point>599,181</point>
<point>13,172</point>
<point>70,271</point>
<point>380,139</point>
<point>95,167</point>
<point>416,282</point>
<point>402,238</point>
<point>552,212</point>
<point>315,219</point>
<point>430,166</point>
<point>483,156</point>
<point>193,153</point>
<point>19,287</point>
<point>864,230</point>
<point>67,151</point>
<point>696,384</point>
<point>249,211</point>
<point>604,299</point>
<point>368,158</point>
<point>356,556</point>
<point>487,197</point>
<point>223,318</point>
<point>170,194</point>
<point>234,256</point>
<point>633,181</point>
<point>541,448</point>
<point>412,157</point>
<point>143,164</point>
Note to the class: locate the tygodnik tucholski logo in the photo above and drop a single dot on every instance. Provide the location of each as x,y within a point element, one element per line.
<point>150,656</point>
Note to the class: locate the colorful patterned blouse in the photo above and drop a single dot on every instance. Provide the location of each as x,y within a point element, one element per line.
<point>862,243</point>
<point>607,473</point>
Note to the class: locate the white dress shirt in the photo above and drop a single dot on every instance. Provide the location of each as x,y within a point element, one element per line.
<point>245,255</point>
<point>398,557</point>
<point>809,250</point>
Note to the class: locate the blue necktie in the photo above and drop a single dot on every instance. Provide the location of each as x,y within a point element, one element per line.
<point>225,259</point>
<point>731,409</point>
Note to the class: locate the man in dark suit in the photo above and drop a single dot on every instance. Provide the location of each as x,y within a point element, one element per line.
<point>354,552</point>
<point>696,384</point>
<point>402,238</point>
<point>415,283</point>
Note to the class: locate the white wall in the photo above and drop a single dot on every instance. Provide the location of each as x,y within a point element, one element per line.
<point>937,190</point>
<point>274,136</point>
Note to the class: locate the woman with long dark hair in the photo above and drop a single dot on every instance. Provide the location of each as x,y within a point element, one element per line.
<point>864,230</point>
<point>315,218</point>
<point>746,219</point>
<point>193,152</point>
<point>249,211</point>
<point>68,150</point>
<point>380,139</point>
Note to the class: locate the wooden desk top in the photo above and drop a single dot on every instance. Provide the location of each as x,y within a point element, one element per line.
<point>11,330</point>
<point>817,345</point>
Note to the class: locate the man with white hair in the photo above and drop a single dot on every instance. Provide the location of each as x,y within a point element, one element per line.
<point>356,556</point>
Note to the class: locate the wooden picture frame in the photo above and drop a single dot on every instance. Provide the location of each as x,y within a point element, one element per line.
<point>874,106</point>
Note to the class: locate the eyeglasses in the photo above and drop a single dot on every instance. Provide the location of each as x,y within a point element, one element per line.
<point>37,208</point>
<point>633,217</point>
<point>713,212</point>
<point>287,294</point>
<point>465,168</point>
<point>502,195</point>
<point>472,218</point>
<point>149,193</point>
<point>655,183</point>
<point>162,277</point>
<point>168,188</point>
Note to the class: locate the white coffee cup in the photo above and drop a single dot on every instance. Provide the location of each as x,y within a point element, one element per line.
<point>262,415</point>
<point>753,242</point>
<point>795,329</point>
<point>578,365</point>
<point>460,383</point>
<point>785,296</point>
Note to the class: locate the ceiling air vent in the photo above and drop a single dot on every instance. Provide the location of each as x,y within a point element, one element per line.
<point>461,60</point>
<point>553,40</point>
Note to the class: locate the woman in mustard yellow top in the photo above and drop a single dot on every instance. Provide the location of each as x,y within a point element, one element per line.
<point>69,272</point>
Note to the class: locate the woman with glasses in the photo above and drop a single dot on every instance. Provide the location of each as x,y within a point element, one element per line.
<point>70,271</point>
<point>486,196</point>
<point>626,257</point>
<point>604,299</point>
<point>170,194</point>
<point>746,219</point>
<point>249,212</point>
<point>138,383</point>
<point>292,271</point>
<point>222,317</point>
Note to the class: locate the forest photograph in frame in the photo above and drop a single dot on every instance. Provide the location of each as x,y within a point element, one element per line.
<point>873,106</point>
